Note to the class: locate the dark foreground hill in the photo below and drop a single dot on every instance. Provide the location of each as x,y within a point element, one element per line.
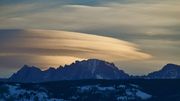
<point>93,90</point>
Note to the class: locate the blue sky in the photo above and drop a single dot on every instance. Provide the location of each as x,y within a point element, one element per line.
<point>151,27</point>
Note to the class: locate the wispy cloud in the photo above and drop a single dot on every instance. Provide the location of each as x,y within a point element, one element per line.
<point>142,18</point>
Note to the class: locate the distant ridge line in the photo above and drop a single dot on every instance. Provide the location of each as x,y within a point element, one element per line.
<point>88,69</point>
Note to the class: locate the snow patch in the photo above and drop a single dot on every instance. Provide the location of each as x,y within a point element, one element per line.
<point>87,88</point>
<point>143,95</point>
<point>99,77</point>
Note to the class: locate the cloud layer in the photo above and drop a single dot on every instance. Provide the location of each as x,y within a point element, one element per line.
<point>153,25</point>
<point>60,45</point>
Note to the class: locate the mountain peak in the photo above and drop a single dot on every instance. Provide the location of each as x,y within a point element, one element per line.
<point>24,67</point>
<point>32,68</point>
<point>95,62</point>
<point>50,69</point>
<point>85,69</point>
<point>26,74</point>
<point>169,71</point>
<point>170,66</point>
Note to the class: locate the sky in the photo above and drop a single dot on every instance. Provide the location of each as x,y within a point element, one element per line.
<point>139,36</point>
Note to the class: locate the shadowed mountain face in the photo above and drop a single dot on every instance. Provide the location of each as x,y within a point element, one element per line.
<point>28,74</point>
<point>86,69</point>
<point>169,71</point>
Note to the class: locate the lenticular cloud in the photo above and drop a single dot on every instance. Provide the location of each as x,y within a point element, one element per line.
<point>51,43</point>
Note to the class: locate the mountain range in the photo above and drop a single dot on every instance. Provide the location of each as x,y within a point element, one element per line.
<point>88,69</point>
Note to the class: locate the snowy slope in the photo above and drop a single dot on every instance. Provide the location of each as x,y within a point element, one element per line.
<point>35,92</point>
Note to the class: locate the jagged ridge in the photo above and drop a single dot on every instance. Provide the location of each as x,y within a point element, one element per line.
<point>86,69</point>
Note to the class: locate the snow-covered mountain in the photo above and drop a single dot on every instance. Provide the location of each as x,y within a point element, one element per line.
<point>86,69</point>
<point>169,71</point>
